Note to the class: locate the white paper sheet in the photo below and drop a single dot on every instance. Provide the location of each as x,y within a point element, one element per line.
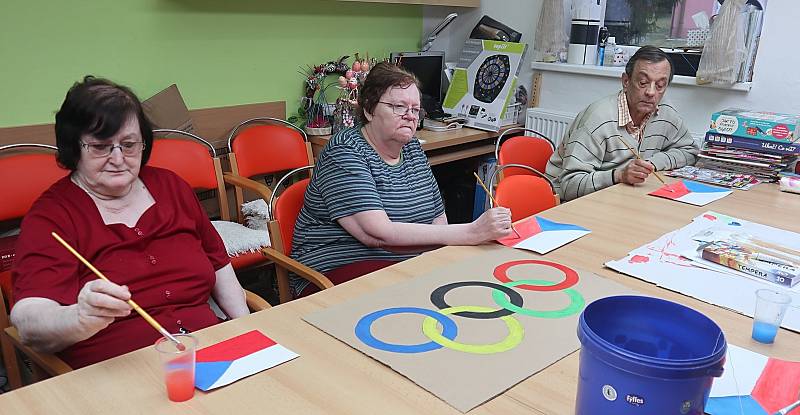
<point>661,262</point>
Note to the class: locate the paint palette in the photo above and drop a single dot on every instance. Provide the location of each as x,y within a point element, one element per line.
<point>694,193</point>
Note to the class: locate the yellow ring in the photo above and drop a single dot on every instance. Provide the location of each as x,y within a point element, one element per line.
<point>515,332</point>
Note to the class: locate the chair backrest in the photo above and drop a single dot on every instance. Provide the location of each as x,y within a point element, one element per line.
<point>528,150</point>
<point>524,194</point>
<point>26,171</point>
<point>285,208</point>
<point>193,159</point>
<point>264,145</point>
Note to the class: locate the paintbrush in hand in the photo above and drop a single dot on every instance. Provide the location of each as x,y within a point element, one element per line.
<point>135,306</point>
<point>494,202</point>
<point>658,176</point>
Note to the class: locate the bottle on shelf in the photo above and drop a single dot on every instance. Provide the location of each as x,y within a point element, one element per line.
<point>602,36</point>
<point>608,53</point>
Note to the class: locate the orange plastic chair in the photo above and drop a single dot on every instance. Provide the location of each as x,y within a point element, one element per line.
<point>194,160</point>
<point>283,211</point>
<point>525,149</point>
<point>264,146</point>
<point>36,163</point>
<point>524,194</point>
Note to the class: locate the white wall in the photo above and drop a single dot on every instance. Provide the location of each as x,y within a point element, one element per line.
<point>520,15</point>
<point>776,80</point>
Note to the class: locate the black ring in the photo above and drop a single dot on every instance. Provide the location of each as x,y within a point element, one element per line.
<point>437,298</point>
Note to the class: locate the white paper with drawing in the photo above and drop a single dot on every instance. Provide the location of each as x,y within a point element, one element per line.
<point>662,263</point>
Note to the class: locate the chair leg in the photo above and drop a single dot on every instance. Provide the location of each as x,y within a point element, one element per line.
<point>11,363</point>
<point>284,294</point>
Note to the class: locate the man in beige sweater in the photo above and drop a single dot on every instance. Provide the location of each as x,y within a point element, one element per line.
<point>593,154</point>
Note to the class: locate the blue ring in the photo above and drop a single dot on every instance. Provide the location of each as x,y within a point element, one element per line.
<point>449,331</point>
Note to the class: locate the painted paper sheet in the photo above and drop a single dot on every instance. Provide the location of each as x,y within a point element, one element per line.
<point>236,358</point>
<point>753,384</point>
<point>662,263</point>
<point>541,235</point>
<point>694,193</point>
<point>471,330</point>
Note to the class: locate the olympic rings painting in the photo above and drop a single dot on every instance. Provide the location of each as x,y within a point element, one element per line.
<point>504,295</point>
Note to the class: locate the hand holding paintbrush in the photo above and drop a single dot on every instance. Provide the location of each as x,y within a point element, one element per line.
<point>133,305</point>
<point>494,202</point>
<point>639,157</point>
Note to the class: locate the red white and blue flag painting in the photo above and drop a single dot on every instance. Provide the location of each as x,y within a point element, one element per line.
<point>236,358</point>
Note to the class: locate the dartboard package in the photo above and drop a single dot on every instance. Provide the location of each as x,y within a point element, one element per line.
<point>484,81</point>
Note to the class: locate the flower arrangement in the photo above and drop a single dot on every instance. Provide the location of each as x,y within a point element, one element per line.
<point>315,114</point>
<point>345,113</point>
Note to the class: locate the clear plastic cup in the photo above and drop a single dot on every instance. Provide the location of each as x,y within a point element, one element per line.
<point>178,366</point>
<point>771,306</point>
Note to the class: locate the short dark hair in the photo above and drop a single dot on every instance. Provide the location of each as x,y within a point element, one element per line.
<point>98,107</point>
<point>651,54</point>
<point>381,77</point>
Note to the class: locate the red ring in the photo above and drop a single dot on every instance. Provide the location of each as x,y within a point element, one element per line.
<point>570,276</point>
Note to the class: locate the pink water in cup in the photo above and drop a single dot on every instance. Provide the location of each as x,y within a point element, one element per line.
<point>178,366</point>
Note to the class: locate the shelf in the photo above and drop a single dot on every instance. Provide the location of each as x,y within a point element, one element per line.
<point>461,3</point>
<point>616,72</point>
<point>460,154</point>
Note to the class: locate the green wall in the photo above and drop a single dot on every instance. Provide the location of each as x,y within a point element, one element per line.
<point>222,52</point>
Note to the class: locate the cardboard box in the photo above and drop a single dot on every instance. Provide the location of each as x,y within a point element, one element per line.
<point>761,125</point>
<point>167,109</point>
<point>484,82</point>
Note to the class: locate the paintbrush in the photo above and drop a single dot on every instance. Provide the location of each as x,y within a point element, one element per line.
<point>494,202</point>
<point>135,306</point>
<point>635,154</point>
<point>790,408</point>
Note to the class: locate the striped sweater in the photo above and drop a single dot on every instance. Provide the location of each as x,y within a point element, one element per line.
<point>350,177</point>
<point>584,161</point>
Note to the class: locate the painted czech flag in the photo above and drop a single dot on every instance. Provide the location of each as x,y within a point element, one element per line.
<point>541,235</point>
<point>694,193</point>
<point>233,359</point>
<point>753,384</point>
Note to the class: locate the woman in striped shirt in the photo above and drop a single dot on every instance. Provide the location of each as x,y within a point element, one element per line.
<point>373,200</point>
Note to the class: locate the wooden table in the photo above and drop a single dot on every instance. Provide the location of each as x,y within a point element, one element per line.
<point>332,378</point>
<point>442,147</point>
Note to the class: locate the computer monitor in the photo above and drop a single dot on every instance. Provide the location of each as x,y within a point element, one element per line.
<point>428,67</point>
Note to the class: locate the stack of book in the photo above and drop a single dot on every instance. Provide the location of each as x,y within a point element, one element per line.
<point>758,143</point>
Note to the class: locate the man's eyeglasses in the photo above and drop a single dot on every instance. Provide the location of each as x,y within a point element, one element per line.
<point>401,110</point>
<point>128,148</point>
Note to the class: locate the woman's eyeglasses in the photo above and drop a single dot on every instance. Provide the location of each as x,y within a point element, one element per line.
<point>401,110</point>
<point>128,148</point>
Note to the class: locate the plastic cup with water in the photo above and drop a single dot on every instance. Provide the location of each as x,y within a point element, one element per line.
<point>771,306</point>
<point>178,366</point>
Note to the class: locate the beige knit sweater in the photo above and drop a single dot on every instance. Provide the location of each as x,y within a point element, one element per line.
<point>584,161</point>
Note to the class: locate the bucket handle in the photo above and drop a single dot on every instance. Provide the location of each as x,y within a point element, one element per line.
<point>717,371</point>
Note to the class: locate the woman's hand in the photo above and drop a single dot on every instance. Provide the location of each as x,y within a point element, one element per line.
<point>100,302</point>
<point>493,224</point>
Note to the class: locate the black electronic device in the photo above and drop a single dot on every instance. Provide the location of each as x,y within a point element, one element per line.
<point>491,78</point>
<point>428,67</point>
<point>490,29</point>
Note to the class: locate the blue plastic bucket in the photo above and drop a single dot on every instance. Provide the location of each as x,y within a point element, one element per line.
<point>644,355</point>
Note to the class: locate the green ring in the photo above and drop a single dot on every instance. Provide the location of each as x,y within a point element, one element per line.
<point>515,332</point>
<point>576,301</point>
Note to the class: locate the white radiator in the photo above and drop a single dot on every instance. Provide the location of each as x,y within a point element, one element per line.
<point>552,123</point>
